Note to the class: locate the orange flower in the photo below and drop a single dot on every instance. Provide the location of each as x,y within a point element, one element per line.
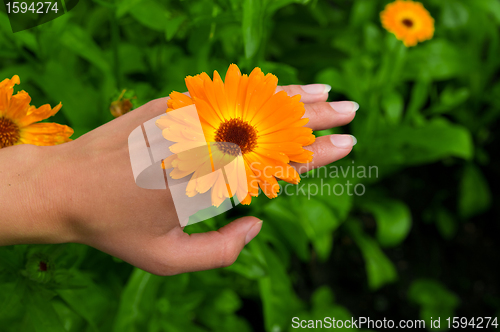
<point>245,110</point>
<point>409,21</point>
<point>18,117</point>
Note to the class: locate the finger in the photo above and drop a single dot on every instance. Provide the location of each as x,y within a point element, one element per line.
<point>311,93</point>
<point>327,149</point>
<point>203,251</point>
<point>328,115</point>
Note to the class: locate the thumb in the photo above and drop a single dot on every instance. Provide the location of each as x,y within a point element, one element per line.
<point>204,251</point>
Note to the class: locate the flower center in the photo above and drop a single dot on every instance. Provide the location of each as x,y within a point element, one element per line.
<point>9,132</point>
<point>43,266</point>
<point>407,22</point>
<point>238,132</point>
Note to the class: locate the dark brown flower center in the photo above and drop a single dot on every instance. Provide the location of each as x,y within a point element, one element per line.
<point>238,132</point>
<point>9,132</point>
<point>407,22</point>
<point>43,266</point>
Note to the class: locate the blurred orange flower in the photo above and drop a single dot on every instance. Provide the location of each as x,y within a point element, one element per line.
<point>246,110</point>
<point>408,20</point>
<point>18,117</point>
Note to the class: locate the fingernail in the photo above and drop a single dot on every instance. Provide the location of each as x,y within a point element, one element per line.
<point>344,107</point>
<point>316,89</point>
<point>253,232</point>
<point>343,141</point>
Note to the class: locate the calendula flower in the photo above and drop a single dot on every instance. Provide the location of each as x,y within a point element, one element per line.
<point>245,112</point>
<point>18,119</point>
<point>408,20</point>
<point>122,104</point>
<point>39,268</point>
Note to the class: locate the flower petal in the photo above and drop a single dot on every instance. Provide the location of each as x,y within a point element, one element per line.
<point>45,134</point>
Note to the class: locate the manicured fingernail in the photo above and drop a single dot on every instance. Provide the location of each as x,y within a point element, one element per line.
<point>344,107</point>
<point>253,232</point>
<point>316,89</point>
<point>343,141</point>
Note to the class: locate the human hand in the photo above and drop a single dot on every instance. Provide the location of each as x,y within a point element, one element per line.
<point>100,204</point>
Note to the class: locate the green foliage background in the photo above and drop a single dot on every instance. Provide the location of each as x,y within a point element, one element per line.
<point>420,243</point>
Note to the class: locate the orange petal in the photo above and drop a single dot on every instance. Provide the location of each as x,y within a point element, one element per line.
<point>207,113</point>
<point>304,157</point>
<point>19,106</point>
<point>273,110</point>
<point>45,134</point>
<point>178,100</point>
<point>286,135</point>
<point>247,200</point>
<point>231,86</point>
<point>6,91</point>
<point>280,156</point>
<point>220,95</point>
<point>38,114</point>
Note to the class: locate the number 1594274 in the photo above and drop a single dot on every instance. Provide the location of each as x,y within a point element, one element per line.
<point>33,7</point>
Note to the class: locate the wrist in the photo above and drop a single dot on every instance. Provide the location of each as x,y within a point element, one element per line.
<point>31,212</point>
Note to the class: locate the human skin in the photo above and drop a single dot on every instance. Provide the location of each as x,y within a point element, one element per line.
<point>84,192</point>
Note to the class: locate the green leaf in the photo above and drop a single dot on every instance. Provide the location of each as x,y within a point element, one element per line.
<point>151,14</point>
<point>247,265</point>
<point>41,313</point>
<point>88,307</point>
<point>491,7</point>
<point>453,97</point>
<point>362,11</point>
<point>137,301</point>
<point>172,25</point>
<point>252,26</point>
<point>419,96</point>
<point>227,302</point>
<point>69,319</point>
<point>372,37</point>
<point>410,145</point>
<point>393,220</point>
<point>454,14</point>
<point>474,196</point>
<point>446,224</point>
<point>274,5</point>
<point>286,222</point>
<point>392,65</point>
<point>79,113</point>
<point>11,297</point>
<point>80,42</point>
<point>379,268</point>
<point>319,222</point>
<point>124,6</point>
<point>286,73</point>
<point>26,38</point>
<point>322,297</point>
<point>332,77</point>
<point>392,104</point>
<point>437,59</point>
<point>11,260</point>
<point>335,185</point>
<point>278,297</point>
<point>434,299</point>
<point>450,99</point>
